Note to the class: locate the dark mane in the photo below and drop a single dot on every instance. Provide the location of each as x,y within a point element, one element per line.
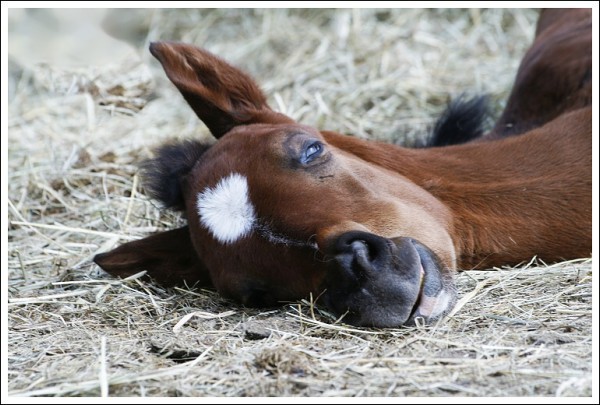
<point>463,120</point>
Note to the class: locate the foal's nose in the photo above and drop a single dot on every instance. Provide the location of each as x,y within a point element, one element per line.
<point>365,247</point>
<point>372,280</point>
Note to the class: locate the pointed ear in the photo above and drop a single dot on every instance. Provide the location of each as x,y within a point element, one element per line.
<point>168,257</point>
<point>221,95</point>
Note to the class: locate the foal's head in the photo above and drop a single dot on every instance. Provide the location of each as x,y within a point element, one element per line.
<point>277,210</point>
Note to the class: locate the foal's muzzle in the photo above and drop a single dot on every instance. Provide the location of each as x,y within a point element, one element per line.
<point>383,282</point>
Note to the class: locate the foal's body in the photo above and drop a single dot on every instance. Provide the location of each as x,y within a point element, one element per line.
<point>277,210</point>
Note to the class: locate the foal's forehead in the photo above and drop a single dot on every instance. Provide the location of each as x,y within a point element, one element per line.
<point>248,149</point>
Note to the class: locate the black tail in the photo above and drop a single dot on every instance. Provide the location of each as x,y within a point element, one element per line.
<point>463,120</point>
<point>162,175</point>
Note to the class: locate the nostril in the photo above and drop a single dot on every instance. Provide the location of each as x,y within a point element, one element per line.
<point>368,251</point>
<point>361,244</point>
<point>357,244</point>
<point>360,249</point>
<point>360,252</point>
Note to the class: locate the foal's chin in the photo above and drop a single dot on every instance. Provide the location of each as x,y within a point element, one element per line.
<point>379,282</point>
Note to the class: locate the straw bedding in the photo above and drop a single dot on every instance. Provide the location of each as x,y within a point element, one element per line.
<point>77,132</point>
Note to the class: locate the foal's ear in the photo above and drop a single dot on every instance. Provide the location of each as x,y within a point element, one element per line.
<point>221,95</point>
<point>168,257</point>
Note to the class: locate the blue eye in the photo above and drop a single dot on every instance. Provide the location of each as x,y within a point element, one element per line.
<point>312,151</point>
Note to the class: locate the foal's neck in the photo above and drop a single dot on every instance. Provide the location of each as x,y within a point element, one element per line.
<point>505,196</point>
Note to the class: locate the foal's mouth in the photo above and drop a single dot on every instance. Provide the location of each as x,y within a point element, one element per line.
<point>437,295</point>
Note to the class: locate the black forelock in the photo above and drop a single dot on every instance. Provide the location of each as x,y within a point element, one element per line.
<point>162,174</point>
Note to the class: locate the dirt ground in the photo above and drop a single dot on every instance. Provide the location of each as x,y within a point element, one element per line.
<point>86,107</point>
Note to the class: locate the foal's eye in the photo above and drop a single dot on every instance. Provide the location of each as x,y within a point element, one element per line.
<point>312,151</point>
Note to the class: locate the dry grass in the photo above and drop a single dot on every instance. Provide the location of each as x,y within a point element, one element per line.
<point>76,135</point>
